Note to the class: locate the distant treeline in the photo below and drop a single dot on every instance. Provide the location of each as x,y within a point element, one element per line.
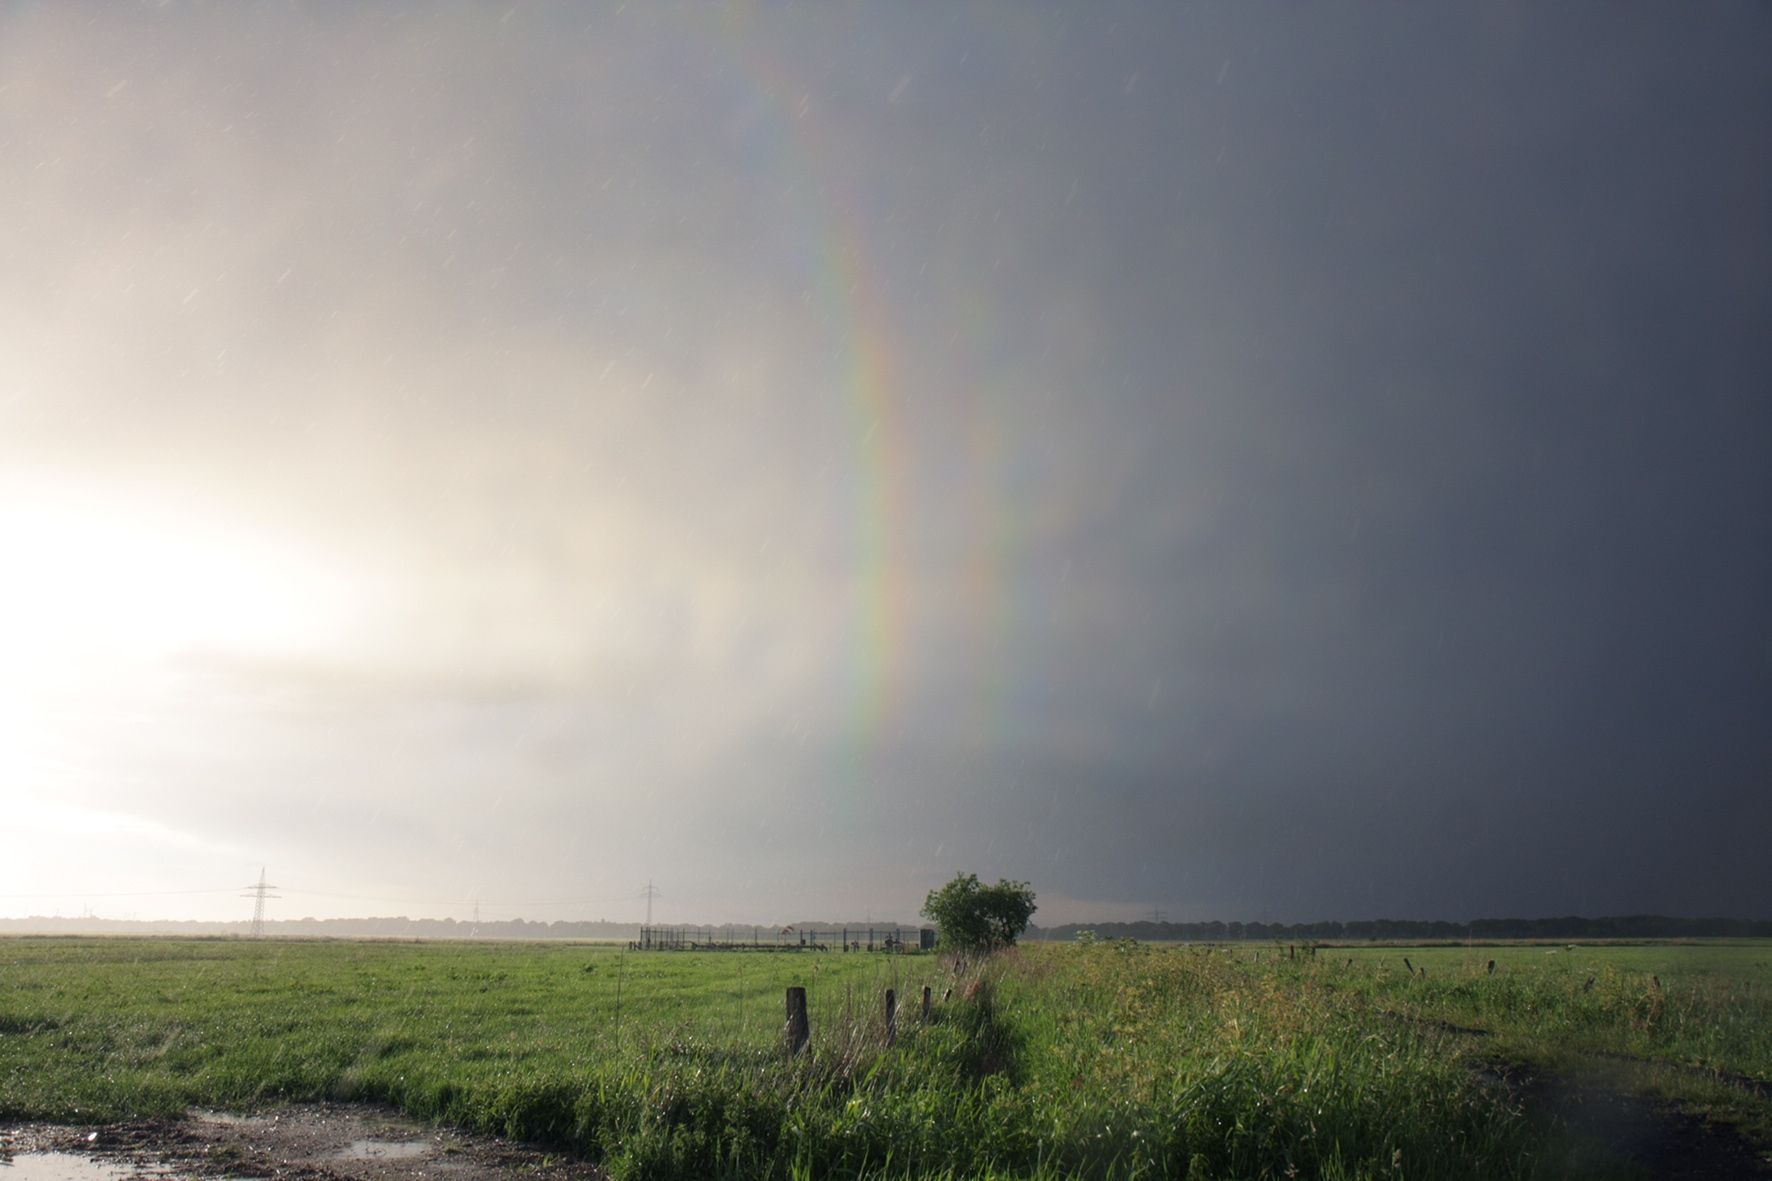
<point>1643,926</point>
<point>1634,926</point>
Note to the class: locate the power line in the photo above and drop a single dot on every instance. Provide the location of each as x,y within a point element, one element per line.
<point>258,894</point>
<point>408,900</point>
<point>649,893</point>
<point>120,893</point>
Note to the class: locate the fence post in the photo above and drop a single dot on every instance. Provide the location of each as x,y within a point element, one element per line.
<point>891,1016</point>
<point>925,1002</point>
<point>799,1028</point>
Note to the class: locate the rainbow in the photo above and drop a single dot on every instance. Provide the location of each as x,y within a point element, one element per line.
<point>851,296</point>
<point>854,299</point>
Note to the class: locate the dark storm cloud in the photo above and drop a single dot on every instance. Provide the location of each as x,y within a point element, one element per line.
<point>1439,549</point>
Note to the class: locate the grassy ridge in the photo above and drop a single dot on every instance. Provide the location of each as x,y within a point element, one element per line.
<point>1704,1006</point>
<point>1108,1060</point>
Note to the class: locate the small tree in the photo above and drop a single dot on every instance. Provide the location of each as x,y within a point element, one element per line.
<point>980,917</point>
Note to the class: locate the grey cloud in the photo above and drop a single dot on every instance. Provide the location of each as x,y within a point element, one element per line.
<point>1324,448</point>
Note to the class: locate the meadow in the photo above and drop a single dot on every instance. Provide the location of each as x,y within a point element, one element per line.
<point>1080,1060</point>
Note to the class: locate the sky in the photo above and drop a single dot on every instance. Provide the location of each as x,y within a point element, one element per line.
<point>1241,461</point>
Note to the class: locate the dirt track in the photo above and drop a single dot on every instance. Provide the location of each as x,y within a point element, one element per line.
<point>1608,1125</point>
<point>1666,1144</point>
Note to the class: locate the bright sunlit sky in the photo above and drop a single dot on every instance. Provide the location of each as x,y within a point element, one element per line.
<point>1251,461</point>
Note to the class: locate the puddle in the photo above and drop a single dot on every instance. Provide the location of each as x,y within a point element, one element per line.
<point>65,1166</point>
<point>231,1118</point>
<point>385,1149</point>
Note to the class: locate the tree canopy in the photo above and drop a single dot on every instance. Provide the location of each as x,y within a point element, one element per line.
<point>976,916</point>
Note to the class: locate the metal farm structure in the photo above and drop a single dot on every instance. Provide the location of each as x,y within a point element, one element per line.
<point>756,938</point>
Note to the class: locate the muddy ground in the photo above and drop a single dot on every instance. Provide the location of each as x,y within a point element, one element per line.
<point>336,1142</point>
<point>325,1142</point>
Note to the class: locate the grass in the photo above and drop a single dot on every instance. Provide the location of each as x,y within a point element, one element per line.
<point>1111,1060</point>
<point>1705,1006</point>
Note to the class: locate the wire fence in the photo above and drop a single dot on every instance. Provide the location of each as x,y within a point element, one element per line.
<point>756,938</point>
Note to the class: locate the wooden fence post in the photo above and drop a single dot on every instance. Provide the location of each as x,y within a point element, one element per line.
<point>926,1002</point>
<point>799,1028</point>
<point>891,1016</point>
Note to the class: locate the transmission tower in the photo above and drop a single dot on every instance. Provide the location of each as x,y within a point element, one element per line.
<point>649,893</point>
<point>258,894</point>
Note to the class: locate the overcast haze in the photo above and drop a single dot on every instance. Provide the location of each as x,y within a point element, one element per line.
<point>1262,462</point>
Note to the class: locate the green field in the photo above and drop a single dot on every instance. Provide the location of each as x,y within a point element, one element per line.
<point>1104,1060</point>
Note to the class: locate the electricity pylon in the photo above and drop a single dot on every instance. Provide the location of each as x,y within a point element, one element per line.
<point>258,894</point>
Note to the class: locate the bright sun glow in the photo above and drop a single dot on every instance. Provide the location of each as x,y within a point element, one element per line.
<point>101,598</point>
<point>91,587</point>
